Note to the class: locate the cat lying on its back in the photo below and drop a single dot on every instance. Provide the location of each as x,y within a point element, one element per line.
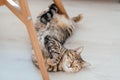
<point>53,29</point>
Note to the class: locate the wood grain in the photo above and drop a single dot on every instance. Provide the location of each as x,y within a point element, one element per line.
<point>61,7</point>
<point>1,2</point>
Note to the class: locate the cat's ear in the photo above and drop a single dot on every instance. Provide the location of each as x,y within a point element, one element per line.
<point>79,49</point>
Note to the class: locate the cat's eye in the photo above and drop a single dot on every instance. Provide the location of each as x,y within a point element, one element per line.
<point>75,51</point>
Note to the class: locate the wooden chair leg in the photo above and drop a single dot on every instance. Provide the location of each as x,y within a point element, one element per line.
<point>1,2</point>
<point>61,7</point>
<point>37,50</point>
<point>24,15</point>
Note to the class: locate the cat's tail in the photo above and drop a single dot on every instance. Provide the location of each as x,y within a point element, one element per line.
<point>77,18</point>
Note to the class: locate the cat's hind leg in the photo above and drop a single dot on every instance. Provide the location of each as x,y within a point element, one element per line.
<point>77,18</point>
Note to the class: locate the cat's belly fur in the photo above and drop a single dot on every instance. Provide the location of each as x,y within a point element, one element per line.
<point>60,28</point>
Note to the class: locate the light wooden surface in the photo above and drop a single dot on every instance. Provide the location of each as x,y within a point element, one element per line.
<point>1,2</point>
<point>59,4</point>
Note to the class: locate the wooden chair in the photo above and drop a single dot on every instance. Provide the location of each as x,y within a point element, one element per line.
<point>23,13</point>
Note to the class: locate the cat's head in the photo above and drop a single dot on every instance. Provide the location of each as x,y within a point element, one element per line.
<point>74,61</point>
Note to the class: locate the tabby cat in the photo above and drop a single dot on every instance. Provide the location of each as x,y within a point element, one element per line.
<point>52,30</point>
<point>61,58</point>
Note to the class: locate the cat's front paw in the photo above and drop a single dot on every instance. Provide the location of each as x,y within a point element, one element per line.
<point>51,62</point>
